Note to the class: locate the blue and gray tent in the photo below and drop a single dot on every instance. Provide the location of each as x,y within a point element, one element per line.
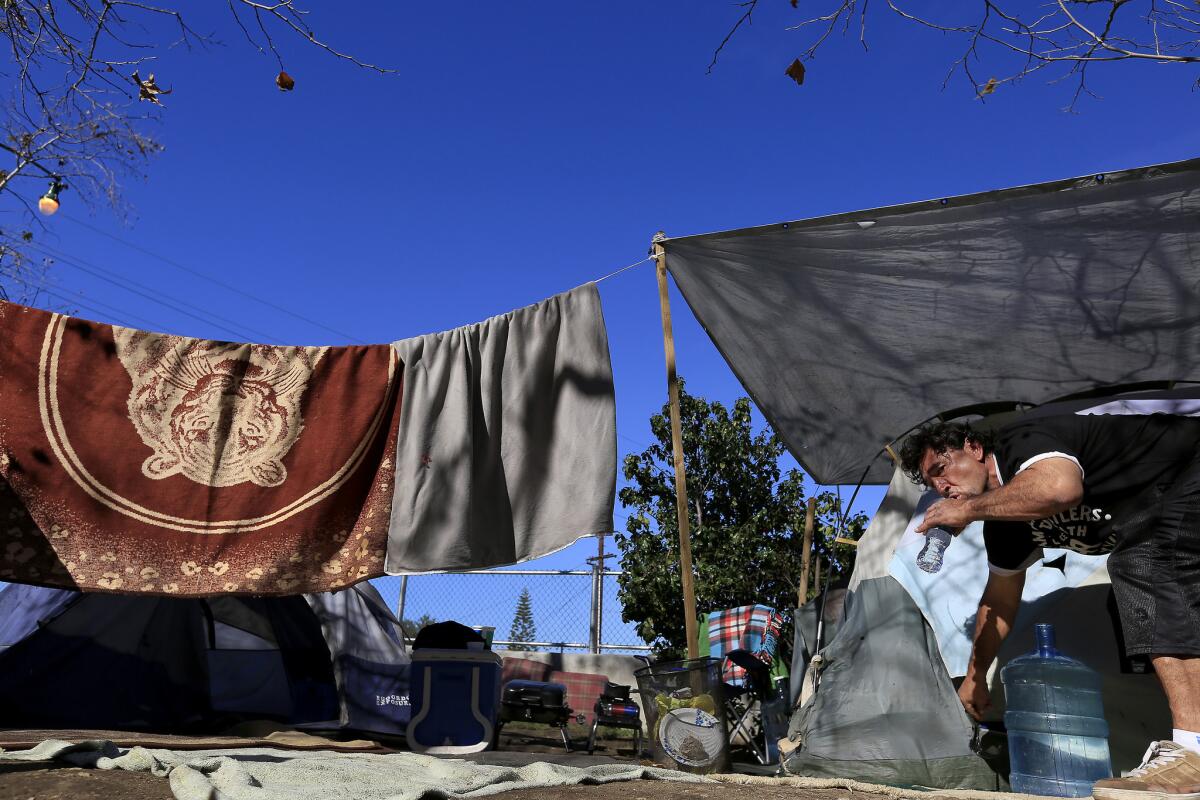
<point>138,662</point>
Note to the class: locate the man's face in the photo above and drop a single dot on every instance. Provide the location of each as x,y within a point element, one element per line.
<point>956,473</point>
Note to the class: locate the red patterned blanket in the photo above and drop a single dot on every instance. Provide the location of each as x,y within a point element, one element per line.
<point>143,462</point>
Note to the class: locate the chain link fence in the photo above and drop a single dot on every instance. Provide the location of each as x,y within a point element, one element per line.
<point>565,607</point>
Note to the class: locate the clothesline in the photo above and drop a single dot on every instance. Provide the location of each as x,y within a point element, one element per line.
<point>623,269</point>
<point>235,289</point>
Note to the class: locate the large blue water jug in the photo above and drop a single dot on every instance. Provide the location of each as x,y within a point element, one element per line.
<point>1057,736</point>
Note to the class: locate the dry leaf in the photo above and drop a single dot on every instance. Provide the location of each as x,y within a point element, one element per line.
<point>796,72</point>
<point>148,89</point>
<point>988,87</point>
<point>285,82</point>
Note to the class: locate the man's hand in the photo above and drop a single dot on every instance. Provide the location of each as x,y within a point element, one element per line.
<point>953,514</point>
<point>974,694</point>
<point>997,610</point>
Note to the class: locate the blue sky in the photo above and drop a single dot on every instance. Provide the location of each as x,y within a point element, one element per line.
<point>521,149</point>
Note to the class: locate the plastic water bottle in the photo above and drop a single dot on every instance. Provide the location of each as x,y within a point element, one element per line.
<point>1057,736</point>
<point>936,542</point>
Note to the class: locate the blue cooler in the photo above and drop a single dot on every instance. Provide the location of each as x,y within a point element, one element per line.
<point>455,700</point>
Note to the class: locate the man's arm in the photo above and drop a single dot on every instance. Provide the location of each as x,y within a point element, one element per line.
<point>1041,490</point>
<point>997,609</point>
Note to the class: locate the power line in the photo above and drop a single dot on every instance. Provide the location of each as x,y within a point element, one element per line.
<point>118,315</point>
<point>642,445</point>
<point>129,285</point>
<point>211,279</point>
<point>148,294</point>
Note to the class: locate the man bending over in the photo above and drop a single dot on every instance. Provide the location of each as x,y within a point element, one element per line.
<point>1125,485</point>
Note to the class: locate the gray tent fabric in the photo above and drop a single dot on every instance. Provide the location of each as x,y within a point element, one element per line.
<point>507,444</point>
<point>886,710</point>
<point>825,611</point>
<point>850,329</point>
<point>370,660</point>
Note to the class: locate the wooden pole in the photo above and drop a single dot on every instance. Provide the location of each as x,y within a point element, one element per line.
<point>681,502</point>
<point>810,519</point>
<point>817,575</point>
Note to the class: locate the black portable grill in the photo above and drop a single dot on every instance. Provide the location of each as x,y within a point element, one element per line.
<point>536,701</point>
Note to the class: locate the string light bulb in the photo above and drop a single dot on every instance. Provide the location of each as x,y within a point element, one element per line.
<point>48,203</point>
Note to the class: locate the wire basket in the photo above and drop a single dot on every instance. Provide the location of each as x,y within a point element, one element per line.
<point>684,704</point>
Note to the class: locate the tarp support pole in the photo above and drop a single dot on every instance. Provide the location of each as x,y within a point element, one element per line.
<point>810,518</point>
<point>681,502</point>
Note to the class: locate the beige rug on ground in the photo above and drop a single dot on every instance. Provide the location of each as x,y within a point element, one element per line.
<point>273,774</point>
<point>873,788</point>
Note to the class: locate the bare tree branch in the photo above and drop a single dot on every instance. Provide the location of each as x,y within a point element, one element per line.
<point>749,5</point>
<point>72,111</point>
<point>1007,40</point>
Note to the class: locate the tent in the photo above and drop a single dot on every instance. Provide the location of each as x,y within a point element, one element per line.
<point>885,708</point>
<point>194,665</point>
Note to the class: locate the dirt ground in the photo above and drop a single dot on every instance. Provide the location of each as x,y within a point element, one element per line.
<point>29,781</point>
<point>68,783</point>
<point>40,781</point>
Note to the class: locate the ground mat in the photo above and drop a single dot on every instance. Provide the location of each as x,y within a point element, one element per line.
<point>276,774</point>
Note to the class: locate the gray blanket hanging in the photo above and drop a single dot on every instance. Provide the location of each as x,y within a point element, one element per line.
<point>507,438</point>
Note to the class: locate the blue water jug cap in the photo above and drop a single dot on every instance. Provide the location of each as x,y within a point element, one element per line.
<point>1045,640</point>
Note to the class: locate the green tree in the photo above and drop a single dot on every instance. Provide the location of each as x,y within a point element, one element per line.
<point>411,628</point>
<point>523,629</point>
<point>747,519</point>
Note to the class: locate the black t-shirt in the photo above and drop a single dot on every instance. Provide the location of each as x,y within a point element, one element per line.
<point>1121,456</point>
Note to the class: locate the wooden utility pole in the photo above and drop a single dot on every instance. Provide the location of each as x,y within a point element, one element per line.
<point>810,519</point>
<point>681,502</point>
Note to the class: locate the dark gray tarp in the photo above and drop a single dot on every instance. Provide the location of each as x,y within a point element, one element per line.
<point>848,330</point>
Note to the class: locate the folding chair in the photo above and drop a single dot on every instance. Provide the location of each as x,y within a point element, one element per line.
<point>747,638</point>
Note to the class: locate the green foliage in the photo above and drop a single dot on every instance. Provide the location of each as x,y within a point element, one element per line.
<point>747,520</point>
<point>411,628</point>
<point>523,629</point>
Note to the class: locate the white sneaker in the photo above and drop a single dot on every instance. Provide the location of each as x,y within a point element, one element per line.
<point>1169,771</point>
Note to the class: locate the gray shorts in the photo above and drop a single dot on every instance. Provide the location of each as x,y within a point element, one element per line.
<point>1155,571</point>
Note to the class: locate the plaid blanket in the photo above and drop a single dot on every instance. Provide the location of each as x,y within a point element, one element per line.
<point>583,690</point>
<point>755,628</point>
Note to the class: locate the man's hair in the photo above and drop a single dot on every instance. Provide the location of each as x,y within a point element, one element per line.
<point>939,437</point>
